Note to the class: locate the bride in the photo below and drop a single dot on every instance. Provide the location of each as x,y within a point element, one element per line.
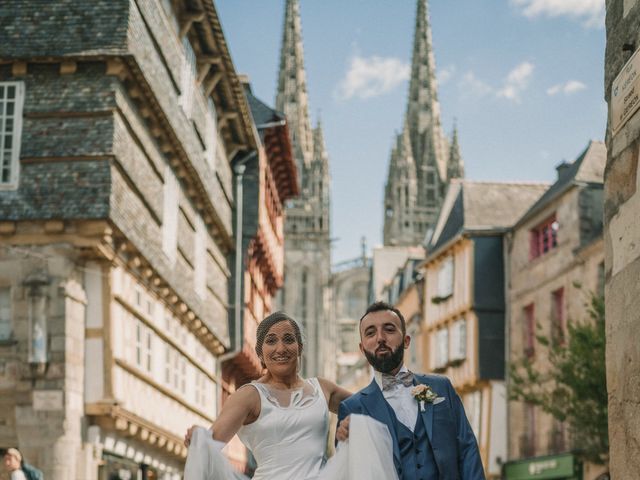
<point>284,420</point>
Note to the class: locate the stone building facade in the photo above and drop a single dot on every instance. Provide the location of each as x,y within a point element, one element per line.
<point>423,160</point>
<point>465,305</point>
<point>306,294</point>
<point>350,283</point>
<point>120,120</point>
<point>621,235</point>
<point>555,259</point>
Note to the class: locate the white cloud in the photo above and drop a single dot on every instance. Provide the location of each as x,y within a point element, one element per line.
<point>591,11</point>
<point>444,74</point>
<point>472,85</point>
<point>568,88</point>
<point>516,82</point>
<point>372,76</point>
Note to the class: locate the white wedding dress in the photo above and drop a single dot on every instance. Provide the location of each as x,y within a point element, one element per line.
<point>288,441</point>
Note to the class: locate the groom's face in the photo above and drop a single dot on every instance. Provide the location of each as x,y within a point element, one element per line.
<point>382,340</point>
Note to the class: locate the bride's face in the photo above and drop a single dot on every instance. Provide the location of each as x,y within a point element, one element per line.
<point>281,349</point>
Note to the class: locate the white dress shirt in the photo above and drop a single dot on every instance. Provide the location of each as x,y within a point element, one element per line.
<point>402,402</point>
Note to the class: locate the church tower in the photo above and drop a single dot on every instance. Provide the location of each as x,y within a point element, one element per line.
<point>307,263</point>
<point>406,221</point>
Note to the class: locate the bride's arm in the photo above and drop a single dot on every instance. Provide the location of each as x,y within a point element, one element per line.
<point>241,408</point>
<point>333,393</point>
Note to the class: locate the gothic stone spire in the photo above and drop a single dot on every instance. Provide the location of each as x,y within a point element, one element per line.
<point>455,164</point>
<point>291,97</point>
<point>423,110</point>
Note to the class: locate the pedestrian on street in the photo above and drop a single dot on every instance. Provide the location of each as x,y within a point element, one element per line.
<point>18,469</point>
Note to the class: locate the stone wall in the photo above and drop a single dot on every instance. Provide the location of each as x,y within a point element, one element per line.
<point>622,253</point>
<point>49,434</point>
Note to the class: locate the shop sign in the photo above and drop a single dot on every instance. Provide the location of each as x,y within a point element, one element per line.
<point>543,468</point>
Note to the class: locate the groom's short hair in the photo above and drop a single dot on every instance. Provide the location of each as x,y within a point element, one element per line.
<point>382,307</point>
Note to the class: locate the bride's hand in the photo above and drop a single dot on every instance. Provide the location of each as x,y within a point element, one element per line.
<point>187,436</point>
<point>342,433</point>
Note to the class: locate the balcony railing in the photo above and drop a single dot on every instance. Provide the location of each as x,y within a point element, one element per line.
<point>527,445</point>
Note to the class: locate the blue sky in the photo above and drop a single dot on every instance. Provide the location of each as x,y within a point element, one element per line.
<point>523,80</point>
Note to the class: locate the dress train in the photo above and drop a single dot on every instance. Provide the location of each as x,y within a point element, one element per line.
<point>368,455</point>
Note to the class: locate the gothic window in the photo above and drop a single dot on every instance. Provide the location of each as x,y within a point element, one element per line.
<point>431,178</point>
<point>406,196</point>
<point>11,103</point>
<point>431,195</point>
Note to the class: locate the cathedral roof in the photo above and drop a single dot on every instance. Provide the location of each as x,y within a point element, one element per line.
<point>472,206</point>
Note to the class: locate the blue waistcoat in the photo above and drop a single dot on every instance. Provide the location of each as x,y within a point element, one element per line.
<point>418,462</point>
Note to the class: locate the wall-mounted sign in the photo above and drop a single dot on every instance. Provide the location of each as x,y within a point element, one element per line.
<point>625,93</point>
<point>48,400</point>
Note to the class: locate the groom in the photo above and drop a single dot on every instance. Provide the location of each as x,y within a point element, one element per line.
<point>432,439</point>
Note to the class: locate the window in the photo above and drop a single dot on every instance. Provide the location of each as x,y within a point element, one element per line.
<point>458,340</point>
<point>170,215</point>
<point>5,313</point>
<point>474,410</point>
<point>211,135</point>
<point>11,103</point>
<point>557,315</point>
<point>544,238</point>
<point>200,260</point>
<point>445,278</point>
<point>188,78</point>
<point>144,346</point>
<point>442,348</point>
<point>529,330</point>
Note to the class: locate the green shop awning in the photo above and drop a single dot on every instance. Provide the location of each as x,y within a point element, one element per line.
<point>552,467</point>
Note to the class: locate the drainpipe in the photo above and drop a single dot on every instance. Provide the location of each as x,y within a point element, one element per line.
<point>239,169</point>
<point>507,245</point>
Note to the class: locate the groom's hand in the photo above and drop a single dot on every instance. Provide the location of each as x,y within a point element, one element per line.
<point>342,433</point>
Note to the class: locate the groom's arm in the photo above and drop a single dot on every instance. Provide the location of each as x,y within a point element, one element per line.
<point>343,413</point>
<point>469,461</point>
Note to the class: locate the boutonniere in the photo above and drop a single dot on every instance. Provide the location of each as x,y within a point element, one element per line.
<point>422,394</point>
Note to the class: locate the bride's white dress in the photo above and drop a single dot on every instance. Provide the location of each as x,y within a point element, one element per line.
<point>288,441</point>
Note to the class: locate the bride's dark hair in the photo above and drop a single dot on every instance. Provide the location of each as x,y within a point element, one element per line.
<point>265,325</point>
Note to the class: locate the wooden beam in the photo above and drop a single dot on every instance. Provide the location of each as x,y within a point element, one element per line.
<point>212,83</point>
<point>19,68</point>
<point>187,19</point>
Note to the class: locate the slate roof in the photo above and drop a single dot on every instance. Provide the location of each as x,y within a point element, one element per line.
<point>471,206</point>
<point>262,113</point>
<point>588,168</point>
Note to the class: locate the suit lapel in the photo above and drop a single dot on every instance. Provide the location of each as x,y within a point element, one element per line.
<point>427,415</point>
<point>377,407</point>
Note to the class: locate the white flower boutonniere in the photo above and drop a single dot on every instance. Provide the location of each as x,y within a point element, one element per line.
<point>422,394</point>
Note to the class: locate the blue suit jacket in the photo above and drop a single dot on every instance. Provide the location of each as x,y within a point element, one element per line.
<point>453,443</point>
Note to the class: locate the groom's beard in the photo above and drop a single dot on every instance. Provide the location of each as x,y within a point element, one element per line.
<point>386,363</point>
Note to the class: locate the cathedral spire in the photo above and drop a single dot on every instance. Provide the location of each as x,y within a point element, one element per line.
<point>455,164</point>
<point>423,109</point>
<point>291,97</point>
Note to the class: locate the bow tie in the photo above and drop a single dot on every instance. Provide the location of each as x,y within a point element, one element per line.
<point>390,381</point>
